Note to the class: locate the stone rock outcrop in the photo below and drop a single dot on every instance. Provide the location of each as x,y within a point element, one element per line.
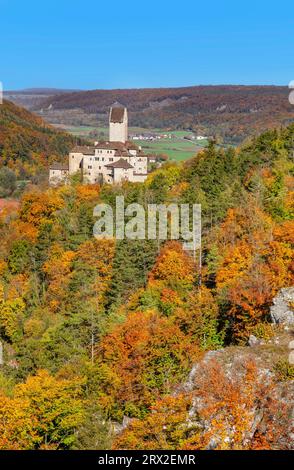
<point>282,309</point>
<point>265,354</point>
<point>117,427</point>
<point>291,354</point>
<point>253,341</point>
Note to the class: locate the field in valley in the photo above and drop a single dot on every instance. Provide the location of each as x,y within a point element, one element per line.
<point>176,145</point>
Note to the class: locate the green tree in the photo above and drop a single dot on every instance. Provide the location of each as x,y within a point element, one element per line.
<point>7,182</point>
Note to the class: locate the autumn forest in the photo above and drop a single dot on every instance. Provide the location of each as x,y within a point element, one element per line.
<point>98,338</point>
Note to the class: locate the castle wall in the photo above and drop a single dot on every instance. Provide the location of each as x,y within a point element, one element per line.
<point>138,178</point>
<point>92,163</point>
<point>139,164</point>
<point>57,177</point>
<point>118,132</point>
<point>121,174</point>
<point>94,168</point>
<point>74,162</point>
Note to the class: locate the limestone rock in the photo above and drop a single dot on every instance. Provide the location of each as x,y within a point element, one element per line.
<point>281,311</point>
<point>117,428</point>
<point>291,358</point>
<point>253,341</point>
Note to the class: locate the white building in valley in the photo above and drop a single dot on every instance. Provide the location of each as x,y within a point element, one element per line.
<point>113,161</point>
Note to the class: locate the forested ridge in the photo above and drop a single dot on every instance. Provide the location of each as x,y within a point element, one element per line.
<point>97,330</point>
<point>27,144</point>
<point>231,113</point>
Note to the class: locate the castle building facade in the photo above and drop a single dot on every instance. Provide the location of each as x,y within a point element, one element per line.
<point>118,125</point>
<point>112,161</point>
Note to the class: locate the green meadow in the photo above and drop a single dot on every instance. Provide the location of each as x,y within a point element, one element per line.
<point>176,147</point>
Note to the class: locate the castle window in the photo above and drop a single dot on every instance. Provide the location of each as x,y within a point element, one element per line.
<point>111,159</point>
<point>97,159</point>
<point>89,167</point>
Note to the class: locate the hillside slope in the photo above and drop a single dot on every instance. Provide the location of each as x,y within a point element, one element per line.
<point>96,331</point>
<point>27,142</point>
<point>231,112</point>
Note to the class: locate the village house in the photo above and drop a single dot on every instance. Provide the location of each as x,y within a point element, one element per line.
<point>112,161</point>
<point>58,172</point>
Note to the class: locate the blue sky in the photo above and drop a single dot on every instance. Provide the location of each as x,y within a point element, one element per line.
<point>133,44</point>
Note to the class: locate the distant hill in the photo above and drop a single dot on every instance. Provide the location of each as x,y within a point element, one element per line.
<point>40,91</point>
<point>231,112</point>
<point>27,143</point>
<point>32,97</point>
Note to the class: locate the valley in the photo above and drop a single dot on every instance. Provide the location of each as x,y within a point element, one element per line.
<point>229,113</point>
<point>175,145</point>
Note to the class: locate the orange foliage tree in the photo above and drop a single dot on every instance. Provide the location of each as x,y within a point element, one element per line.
<point>139,360</point>
<point>173,268</point>
<point>163,428</point>
<point>37,208</point>
<point>256,261</point>
<point>58,269</point>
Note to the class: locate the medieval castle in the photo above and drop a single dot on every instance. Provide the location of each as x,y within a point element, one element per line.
<point>113,161</point>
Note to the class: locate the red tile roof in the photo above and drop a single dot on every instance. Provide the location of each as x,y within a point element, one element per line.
<point>117,114</point>
<point>121,163</point>
<point>83,149</point>
<point>59,166</point>
<point>111,145</point>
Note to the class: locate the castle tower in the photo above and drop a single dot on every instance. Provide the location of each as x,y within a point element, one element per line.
<point>118,124</point>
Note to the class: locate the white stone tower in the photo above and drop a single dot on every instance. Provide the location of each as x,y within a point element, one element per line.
<point>118,124</point>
